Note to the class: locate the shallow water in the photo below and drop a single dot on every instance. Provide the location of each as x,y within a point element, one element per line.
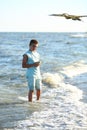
<point>63,103</point>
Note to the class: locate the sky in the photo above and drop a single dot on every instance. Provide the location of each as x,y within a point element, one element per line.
<point>33,15</point>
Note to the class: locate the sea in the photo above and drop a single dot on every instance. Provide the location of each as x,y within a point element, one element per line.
<point>63,101</point>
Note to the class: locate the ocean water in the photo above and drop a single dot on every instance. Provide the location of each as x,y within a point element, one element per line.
<point>63,103</point>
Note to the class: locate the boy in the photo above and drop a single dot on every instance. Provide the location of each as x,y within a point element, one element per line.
<point>31,61</point>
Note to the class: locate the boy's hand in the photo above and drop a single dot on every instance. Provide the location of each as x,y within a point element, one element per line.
<point>36,64</point>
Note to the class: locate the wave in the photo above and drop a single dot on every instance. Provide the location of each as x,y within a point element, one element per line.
<point>75,69</point>
<point>58,81</point>
<point>52,80</point>
<point>79,35</point>
<point>69,78</point>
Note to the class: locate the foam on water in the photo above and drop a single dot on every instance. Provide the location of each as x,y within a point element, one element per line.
<point>62,107</point>
<point>80,35</point>
<point>75,69</point>
<point>52,80</point>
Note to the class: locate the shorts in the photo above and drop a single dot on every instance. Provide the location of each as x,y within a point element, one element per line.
<point>34,83</point>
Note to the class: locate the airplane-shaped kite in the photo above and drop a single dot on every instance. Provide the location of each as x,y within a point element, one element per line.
<point>67,16</point>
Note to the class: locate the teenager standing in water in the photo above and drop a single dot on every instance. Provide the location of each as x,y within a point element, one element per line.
<point>31,61</point>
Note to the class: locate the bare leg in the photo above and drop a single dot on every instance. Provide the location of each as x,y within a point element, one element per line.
<point>38,94</point>
<point>30,93</point>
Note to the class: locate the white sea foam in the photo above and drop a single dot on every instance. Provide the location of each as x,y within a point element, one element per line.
<point>62,109</point>
<point>52,80</point>
<point>75,69</point>
<point>79,35</point>
<point>23,98</point>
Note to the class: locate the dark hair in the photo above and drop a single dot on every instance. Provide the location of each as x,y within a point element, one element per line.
<point>33,41</point>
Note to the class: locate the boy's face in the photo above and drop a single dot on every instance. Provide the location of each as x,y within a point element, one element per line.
<point>33,47</point>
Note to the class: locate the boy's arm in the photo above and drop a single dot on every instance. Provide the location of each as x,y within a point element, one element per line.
<point>25,65</point>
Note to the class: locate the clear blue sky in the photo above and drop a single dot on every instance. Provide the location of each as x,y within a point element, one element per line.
<point>33,15</point>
